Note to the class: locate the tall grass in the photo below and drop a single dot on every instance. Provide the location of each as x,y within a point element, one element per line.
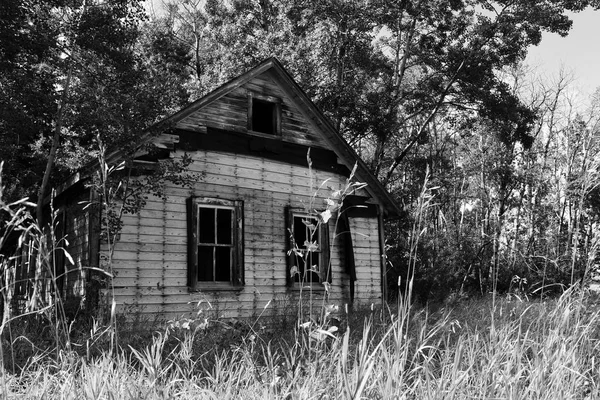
<point>29,289</point>
<point>536,350</point>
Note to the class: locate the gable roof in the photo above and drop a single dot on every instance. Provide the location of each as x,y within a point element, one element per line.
<point>346,155</point>
<point>315,117</point>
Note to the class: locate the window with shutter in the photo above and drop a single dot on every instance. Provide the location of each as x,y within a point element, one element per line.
<point>216,243</point>
<point>308,249</point>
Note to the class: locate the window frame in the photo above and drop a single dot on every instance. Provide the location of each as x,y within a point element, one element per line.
<point>276,102</point>
<point>236,273</point>
<point>324,270</point>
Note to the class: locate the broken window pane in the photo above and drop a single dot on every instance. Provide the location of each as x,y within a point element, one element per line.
<point>306,238</point>
<point>224,226</point>
<point>206,225</point>
<point>205,263</point>
<point>223,263</point>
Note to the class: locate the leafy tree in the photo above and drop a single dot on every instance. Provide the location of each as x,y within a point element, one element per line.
<point>73,70</point>
<point>381,70</point>
<point>27,94</point>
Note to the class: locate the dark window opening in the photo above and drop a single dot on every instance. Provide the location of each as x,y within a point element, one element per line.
<point>264,116</point>
<point>307,240</point>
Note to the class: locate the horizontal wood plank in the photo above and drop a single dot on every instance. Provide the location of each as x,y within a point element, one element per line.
<point>152,273</point>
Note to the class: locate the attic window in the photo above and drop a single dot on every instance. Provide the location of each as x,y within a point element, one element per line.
<point>264,114</point>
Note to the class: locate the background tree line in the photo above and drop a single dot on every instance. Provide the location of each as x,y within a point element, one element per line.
<point>432,94</point>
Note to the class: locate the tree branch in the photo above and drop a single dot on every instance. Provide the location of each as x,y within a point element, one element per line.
<point>429,118</point>
<point>55,142</point>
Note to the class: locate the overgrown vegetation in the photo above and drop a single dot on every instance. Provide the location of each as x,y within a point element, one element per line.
<point>479,349</point>
<point>505,215</point>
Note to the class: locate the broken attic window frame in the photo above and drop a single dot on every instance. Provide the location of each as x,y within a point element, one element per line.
<point>264,114</point>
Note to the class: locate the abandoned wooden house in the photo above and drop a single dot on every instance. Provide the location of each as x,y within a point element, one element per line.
<point>250,231</point>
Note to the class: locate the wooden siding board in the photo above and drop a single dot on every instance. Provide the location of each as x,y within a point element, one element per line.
<point>152,273</point>
<point>222,161</point>
<point>156,214</point>
<point>122,254</point>
<point>170,237</point>
<point>149,282</point>
<point>156,204</point>
<point>225,192</point>
<point>154,230</point>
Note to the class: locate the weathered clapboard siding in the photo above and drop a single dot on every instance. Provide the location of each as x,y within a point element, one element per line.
<point>151,270</point>
<point>151,254</point>
<point>230,112</point>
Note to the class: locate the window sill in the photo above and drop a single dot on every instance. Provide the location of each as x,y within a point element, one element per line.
<point>215,287</point>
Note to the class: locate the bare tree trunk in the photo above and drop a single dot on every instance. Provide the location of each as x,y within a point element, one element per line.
<point>55,142</point>
<point>398,159</point>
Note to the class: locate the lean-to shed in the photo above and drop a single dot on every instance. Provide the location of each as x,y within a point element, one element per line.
<point>250,230</point>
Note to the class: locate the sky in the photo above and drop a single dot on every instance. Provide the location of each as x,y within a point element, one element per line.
<point>578,52</point>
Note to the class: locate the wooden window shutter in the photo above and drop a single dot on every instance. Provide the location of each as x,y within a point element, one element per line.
<point>238,237</point>
<point>94,217</point>
<point>325,253</point>
<point>290,257</point>
<point>192,217</point>
<point>349,261</point>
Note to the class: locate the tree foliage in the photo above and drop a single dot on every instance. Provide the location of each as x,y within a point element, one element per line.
<point>72,70</point>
